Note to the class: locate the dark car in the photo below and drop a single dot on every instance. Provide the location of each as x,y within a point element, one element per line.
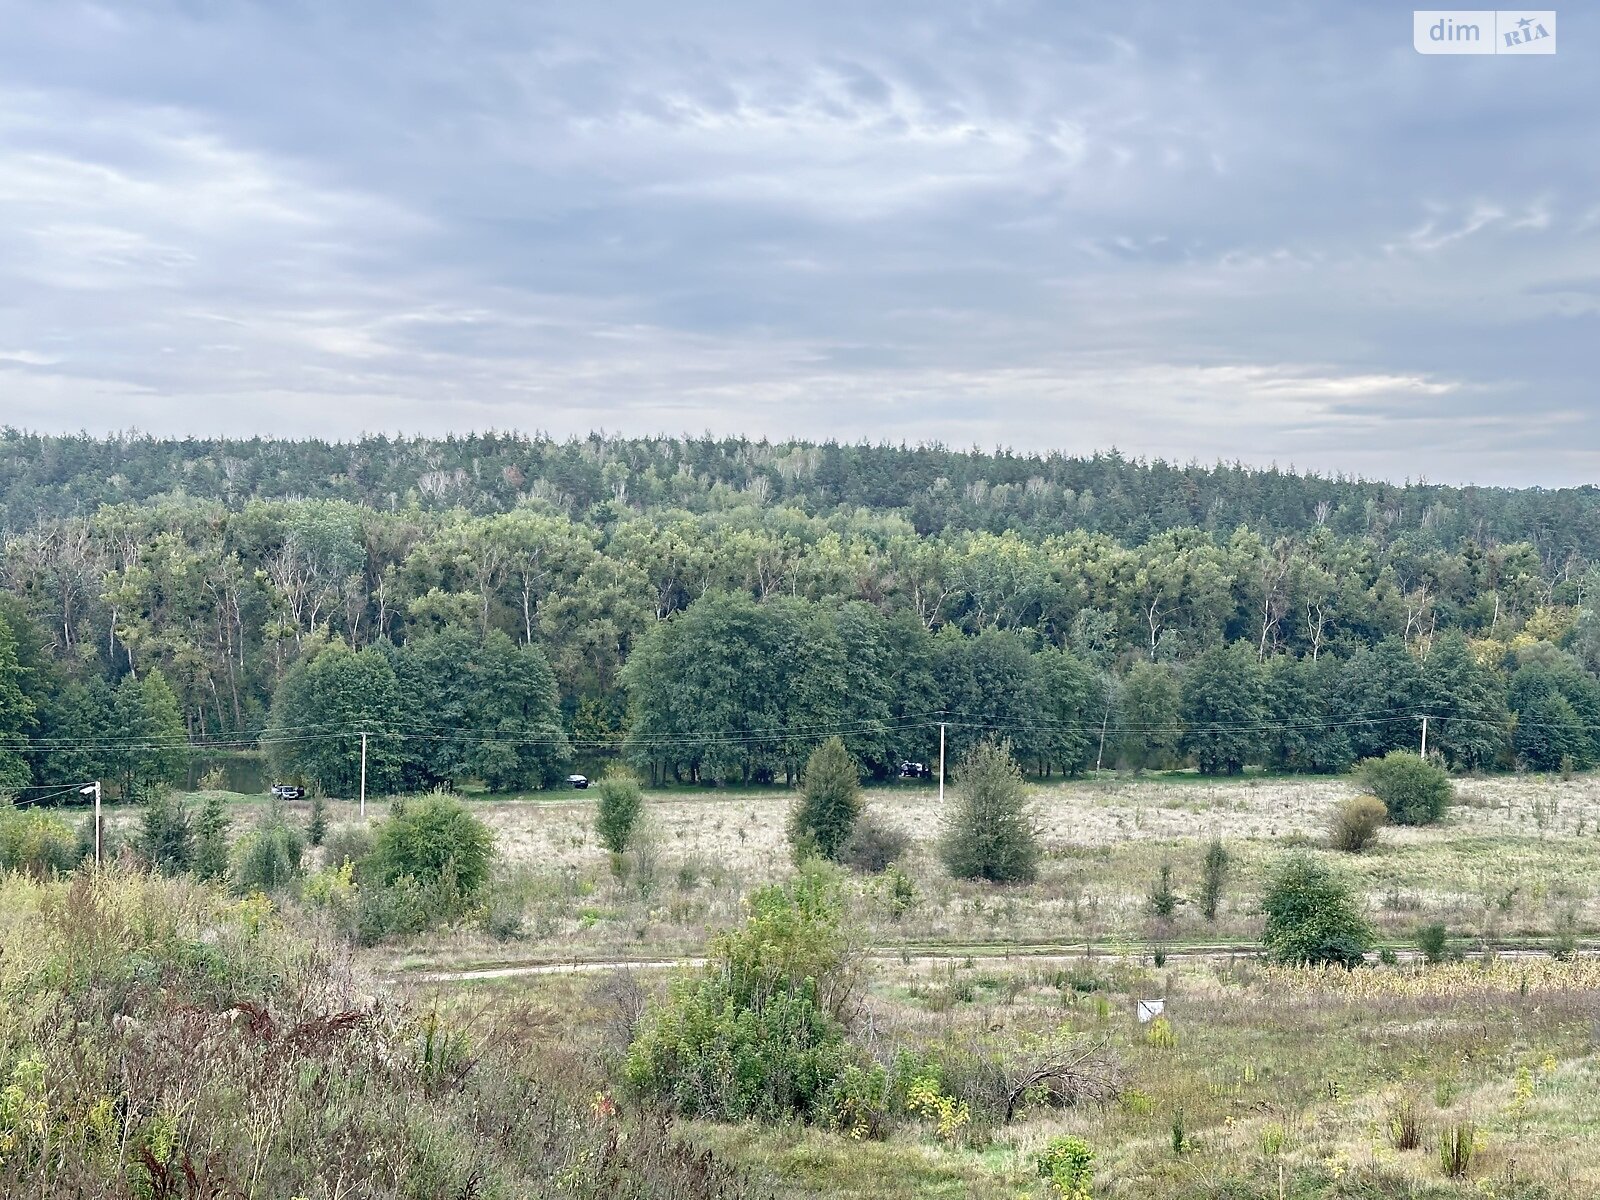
<point>288,791</point>
<point>914,770</point>
<point>578,781</point>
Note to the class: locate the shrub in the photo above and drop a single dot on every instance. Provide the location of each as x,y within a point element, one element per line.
<point>166,840</point>
<point>36,843</point>
<point>1163,901</point>
<point>1068,1163</point>
<point>268,857</point>
<point>1405,1128</point>
<point>211,838</point>
<point>424,836</point>
<point>1434,942</point>
<point>1457,1146</point>
<point>1413,790</point>
<point>1213,877</point>
<point>759,1030</point>
<point>989,832</point>
<point>830,801</point>
<point>873,846</point>
<point>1355,823</point>
<point>1312,917</point>
<point>317,826</point>
<point>347,843</point>
<point>621,802</point>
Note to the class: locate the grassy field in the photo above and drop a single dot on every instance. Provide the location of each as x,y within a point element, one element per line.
<point>1270,1074</point>
<point>1513,865</point>
<point>1271,1082</point>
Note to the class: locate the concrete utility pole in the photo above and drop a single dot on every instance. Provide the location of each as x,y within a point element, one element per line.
<point>941,764</point>
<point>363,775</point>
<point>93,789</point>
<point>1424,736</point>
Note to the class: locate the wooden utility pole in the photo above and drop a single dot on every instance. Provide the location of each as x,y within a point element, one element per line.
<point>363,775</point>
<point>94,790</point>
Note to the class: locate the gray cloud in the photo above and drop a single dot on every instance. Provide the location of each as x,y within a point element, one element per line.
<point>1270,235</point>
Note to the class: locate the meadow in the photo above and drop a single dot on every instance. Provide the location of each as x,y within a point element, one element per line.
<point>1474,1075</point>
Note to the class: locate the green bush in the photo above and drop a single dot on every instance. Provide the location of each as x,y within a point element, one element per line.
<point>1068,1163</point>
<point>872,846</point>
<point>1355,823</point>
<point>989,832</point>
<point>621,802</point>
<point>1213,877</point>
<point>1312,917</point>
<point>1434,942</point>
<point>759,1031</point>
<point>347,844</point>
<point>1413,790</point>
<point>166,839</point>
<point>425,836</point>
<point>268,857</point>
<point>36,843</point>
<point>830,801</point>
<point>211,838</point>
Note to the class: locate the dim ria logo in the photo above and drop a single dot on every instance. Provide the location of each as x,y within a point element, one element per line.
<point>1483,31</point>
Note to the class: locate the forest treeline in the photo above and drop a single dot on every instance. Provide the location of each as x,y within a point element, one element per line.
<point>485,606</point>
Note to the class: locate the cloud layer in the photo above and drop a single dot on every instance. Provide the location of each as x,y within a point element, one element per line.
<point>1271,235</point>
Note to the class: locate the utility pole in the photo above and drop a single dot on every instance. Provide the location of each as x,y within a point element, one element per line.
<point>1424,735</point>
<point>93,789</point>
<point>941,764</point>
<point>363,775</point>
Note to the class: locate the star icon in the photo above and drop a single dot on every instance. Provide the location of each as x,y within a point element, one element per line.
<point>1524,23</point>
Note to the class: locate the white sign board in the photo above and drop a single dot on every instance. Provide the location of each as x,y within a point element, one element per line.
<point>1149,1010</point>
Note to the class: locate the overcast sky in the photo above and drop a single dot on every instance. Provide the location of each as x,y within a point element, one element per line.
<point>1263,231</point>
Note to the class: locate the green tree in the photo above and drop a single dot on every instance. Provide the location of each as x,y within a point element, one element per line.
<point>1148,715</point>
<point>1069,691</point>
<point>621,803</point>
<point>16,714</point>
<point>166,839</point>
<point>481,708</point>
<point>1548,732</point>
<point>1466,702</point>
<point>270,855</point>
<point>1306,731</point>
<point>151,749</point>
<point>1224,709</point>
<point>829,803</point>
<point>320,711</point>
<point>427,837</point>
<point>1413,790</point>
<point>1386,694</point>
<point>1312,917</point>
<point>989,830</point>
<point>1214,870</point>
<point>211,838</point>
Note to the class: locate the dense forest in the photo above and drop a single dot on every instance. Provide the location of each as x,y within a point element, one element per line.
<point>486,606</point>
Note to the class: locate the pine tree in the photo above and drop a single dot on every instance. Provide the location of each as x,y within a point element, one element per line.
<point>211,839</point>
<point>166,840</point>
<point>989,831</point>
<point>830,801</point>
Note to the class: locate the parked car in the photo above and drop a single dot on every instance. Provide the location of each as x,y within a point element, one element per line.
<point>914,770</point>
<point>288,791</point>
<point>578,781</point>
